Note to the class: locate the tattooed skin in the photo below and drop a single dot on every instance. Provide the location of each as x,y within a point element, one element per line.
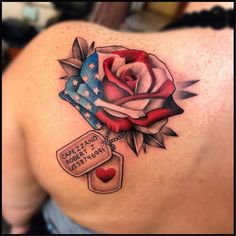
<point>128,93</point>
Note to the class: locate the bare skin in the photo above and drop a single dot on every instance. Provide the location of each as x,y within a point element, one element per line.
<point>184,189</point>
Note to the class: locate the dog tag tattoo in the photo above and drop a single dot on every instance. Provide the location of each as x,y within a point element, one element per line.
<point>107,178</point>
<point>128,93</point>
<point>84,154</point>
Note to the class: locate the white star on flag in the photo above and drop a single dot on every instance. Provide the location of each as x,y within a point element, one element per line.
<point>85,78</point>
<point>87,115</point>
<point>98,126</point>
<point>96,90</point>
<point>88,107</point>
<point>65,92</point>
<point>86,93</point>
<point>91,66</point>
<point>75,82</point>
<point>76,97</point>
<point>96,76</point>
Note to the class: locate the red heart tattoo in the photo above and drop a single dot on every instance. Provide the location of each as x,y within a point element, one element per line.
<point>105,175</point>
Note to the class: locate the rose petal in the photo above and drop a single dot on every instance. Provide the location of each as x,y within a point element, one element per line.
<point>160,76</point>
<point>157,63</point>
<point>170,108</point>
<point>115,113</point>
<point>133,55</point>
<point>117,63</point>
<point>136,104</point>
<point>101,58</point>
<point>163,92</point>
<point>134,113</point>
<point>116,94</point>
<point>154,104</point>
<point>152,129</point>
<point>124,124</point>
<point>114,123</point>
<point>111,77</point>
<point>144,79</point>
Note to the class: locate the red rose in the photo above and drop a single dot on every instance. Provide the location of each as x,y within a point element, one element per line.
<point>139,85</point>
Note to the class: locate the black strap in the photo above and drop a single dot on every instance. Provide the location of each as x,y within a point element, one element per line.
<point>216,18</point>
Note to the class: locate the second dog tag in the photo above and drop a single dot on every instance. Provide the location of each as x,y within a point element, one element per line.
<point>107,178</point>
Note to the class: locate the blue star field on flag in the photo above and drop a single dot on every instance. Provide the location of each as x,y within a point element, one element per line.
<point>82,91</point>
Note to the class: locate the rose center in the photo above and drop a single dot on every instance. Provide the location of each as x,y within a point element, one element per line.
<point>129,77</point>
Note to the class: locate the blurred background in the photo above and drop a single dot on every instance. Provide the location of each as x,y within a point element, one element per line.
<point>21,21</point>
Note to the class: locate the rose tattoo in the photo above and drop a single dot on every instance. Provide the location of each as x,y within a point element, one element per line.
<point>127,91</point>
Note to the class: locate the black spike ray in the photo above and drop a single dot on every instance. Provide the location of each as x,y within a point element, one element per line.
<point>186,94</point>
<point>155,140</point>
<point>185,84</point>
<point>168,131</point>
